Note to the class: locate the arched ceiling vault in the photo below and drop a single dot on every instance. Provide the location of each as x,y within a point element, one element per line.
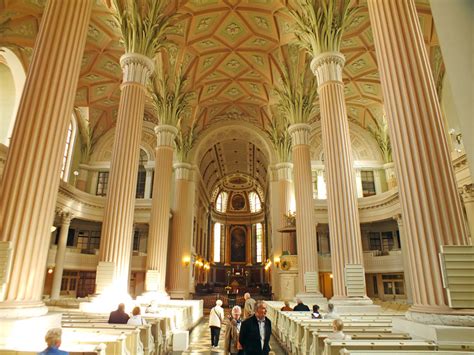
<point>232,52</point>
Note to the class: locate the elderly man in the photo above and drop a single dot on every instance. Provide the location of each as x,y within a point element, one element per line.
<point>53,340</point>
<point>300,306</point>
<point>249,306</point>
<point>231,338</point>
<point>119,316</point>
<point>255,332</point>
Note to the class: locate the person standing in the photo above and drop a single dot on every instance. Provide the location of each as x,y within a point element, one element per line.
<point>249,306</point>
<point>216,317</point>
<point>255,332</point>
<point>232,345</point>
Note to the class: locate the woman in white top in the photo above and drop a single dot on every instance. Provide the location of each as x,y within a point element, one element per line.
<point>136,318</point>
<point>338,334</point>
<point>215,322</point>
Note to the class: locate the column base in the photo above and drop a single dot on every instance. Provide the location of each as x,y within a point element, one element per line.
<point>445,336</point>
<point>179,294</point>
<point>441,316</point>
<point>107,302</point>
<point>15,310</point>
<point>153,296</point>
<point>311,299</point>
<point>14,331</point>
<point>354,305</point>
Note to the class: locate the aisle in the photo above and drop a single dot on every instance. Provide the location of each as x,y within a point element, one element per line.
<point>200,341</point>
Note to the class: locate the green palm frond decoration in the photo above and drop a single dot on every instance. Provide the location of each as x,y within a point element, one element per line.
<point>185,142</point>
<point>280,138</point>
<point>320,24</point>
<point>170,99</point>
<point>297,96</point>
<point>144,25</point>
<point>380,134</point>
<point>88,134</point>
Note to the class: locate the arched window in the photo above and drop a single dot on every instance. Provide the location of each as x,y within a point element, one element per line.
<point>221,201</point>
<point>259,242</point>
<point>255,204</point>
<point>12,77</point>
<point>68,149</point>
<point>217,243</point>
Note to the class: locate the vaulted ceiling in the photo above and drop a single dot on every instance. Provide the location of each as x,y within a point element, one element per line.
<point>232,52</point>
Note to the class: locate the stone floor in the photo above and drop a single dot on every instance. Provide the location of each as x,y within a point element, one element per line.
<point>200,341</point>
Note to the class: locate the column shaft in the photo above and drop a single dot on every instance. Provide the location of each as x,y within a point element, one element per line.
<point>468,200</point>
<point>31,176</point>
<point>117,227</point>
<point>181,232</point>
<point>343,213</point>
<point>431,207</point>
<point>160,207</point>
<point>306,240</point>
<point>406,265</point>
<point>286,196</point>
<point>60,254</point>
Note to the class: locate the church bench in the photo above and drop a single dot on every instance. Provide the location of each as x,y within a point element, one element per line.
<point>313,337</point>
<point>404,352</point>
<point>130,334</point>
<point>73,349</point>
<point>314,341</point>
<point>333,347</point>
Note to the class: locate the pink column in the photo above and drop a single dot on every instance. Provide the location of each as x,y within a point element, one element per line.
<point>160,210</point>
<point>117,227</point>
<point>30,180</point>
<point>179,274</point>
<point>343,213</point>
<point>431,207</point>
<point>305,225</point>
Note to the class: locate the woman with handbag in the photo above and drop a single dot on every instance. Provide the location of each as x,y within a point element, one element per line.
<point>215,323</point>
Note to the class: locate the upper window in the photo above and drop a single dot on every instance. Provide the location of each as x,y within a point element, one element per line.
<point>255,204</point>
<point>67,156</point>
<point>221,202</point>
<point>368,183</point>
<point>217,243</point>
<point>259,242</point>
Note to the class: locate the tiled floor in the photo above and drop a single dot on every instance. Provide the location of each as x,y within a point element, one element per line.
<point>200,341</point>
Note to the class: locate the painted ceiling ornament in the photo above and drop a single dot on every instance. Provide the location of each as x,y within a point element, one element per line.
<point>144,25</point>
<point>320,24</point>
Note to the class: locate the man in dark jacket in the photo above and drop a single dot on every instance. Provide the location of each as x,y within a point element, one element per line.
<point>119,316</point>
<point>255,332</point>
<point>300,306</point>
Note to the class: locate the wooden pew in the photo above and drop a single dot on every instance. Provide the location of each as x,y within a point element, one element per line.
<point>75,349</point>
<point>129,341</point>
<point>397,352</point>
<point>333,347</point>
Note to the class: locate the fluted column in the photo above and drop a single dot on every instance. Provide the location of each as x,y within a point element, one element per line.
<point>117,227</point>
<point>467,194</point>
<point>306,240</point>
<point>66,218</point>
<point>160,209</point>
<point>343,213</point>
<point>30,179</point>
<point>285,202</point>
<point>405,255</point>
<point>430,204</point>
<point>181,232</point>
<point>276,247</point>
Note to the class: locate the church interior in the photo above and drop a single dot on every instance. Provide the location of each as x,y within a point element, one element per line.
<point>167,154</point>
